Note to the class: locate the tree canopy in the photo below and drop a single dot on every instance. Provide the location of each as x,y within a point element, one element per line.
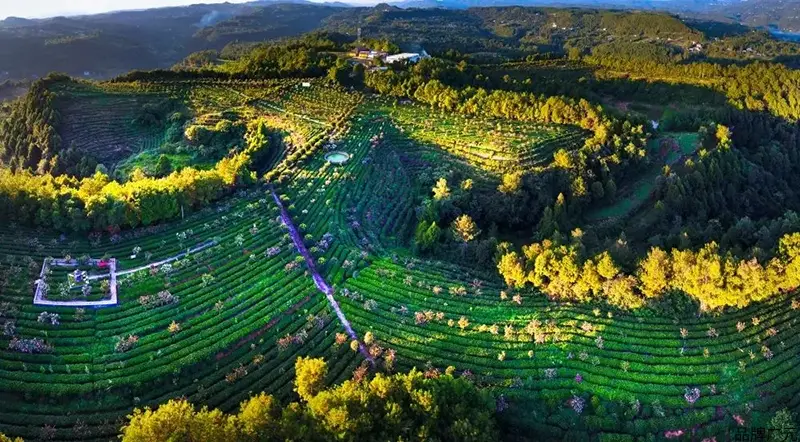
<point>386,407</point>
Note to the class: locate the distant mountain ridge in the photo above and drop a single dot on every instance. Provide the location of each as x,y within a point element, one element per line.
<point>104,45</point>
<point>666,5</point>
<point>782,14</point>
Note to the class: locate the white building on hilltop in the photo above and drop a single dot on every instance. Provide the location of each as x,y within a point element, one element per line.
<point>411,57</point>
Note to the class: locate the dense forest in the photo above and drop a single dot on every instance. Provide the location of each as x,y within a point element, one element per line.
<point>28,136</point>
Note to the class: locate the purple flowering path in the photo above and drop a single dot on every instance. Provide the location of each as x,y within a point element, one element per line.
<point>319,281</point>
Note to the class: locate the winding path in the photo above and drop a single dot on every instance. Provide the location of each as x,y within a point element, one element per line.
<point>197,248</point>
<point>319,281</point>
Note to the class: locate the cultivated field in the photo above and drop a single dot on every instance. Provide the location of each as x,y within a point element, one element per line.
<point>105,120</point>
<point>212,326</point>
<point>222,323</point>
<point>492,144</point>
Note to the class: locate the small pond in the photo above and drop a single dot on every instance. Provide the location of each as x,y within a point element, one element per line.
<point>337,157</point>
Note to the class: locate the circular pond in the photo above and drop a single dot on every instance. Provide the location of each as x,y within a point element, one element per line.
<point>337,157</point>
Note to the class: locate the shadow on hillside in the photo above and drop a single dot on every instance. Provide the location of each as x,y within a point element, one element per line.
<point>717,29</point>
<point>583,81</point>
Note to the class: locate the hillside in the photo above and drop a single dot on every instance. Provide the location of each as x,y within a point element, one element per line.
<point>106,45</point>
<point>781,14</point>
<point>492,34</point>
<point>267,23</point>
<point>565,224</point>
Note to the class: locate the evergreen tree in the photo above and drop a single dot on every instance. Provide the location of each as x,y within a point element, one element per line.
<point>164,166</point>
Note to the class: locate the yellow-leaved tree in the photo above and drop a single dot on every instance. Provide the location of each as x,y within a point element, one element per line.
<point>654,273</point>
<point>512,183</point>
<point>309,377</point>
<point>398,407</point>
<point>440,190</point>
<point>512,271</point>
<point>465,228</point>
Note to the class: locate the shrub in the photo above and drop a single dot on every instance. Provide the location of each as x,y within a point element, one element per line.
<point>161,298</point>
<point>34,345</point>
<point>48,318</point>
<point>125,343</point>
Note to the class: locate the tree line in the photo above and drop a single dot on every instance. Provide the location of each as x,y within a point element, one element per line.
<point>71,204</point>
<point>308,56</point>
<point>757,86</point>
<point>739,190</point>
<point>714,279</point>
<point>412,406</point>
<point>742,197</point>
<point>557,194</point>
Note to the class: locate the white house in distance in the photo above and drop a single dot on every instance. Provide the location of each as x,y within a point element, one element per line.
<point>411,57</point>
<point>696,48</point>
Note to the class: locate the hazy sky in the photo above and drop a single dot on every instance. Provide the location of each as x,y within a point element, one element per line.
<point>50,8</point>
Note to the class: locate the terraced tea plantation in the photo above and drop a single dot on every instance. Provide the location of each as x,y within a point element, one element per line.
<point>113,122</point>
<point>217,306</point>
<point>213,325</point>
<point>101,124</point>
<point>558,363</point>
<point>493,144</point>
